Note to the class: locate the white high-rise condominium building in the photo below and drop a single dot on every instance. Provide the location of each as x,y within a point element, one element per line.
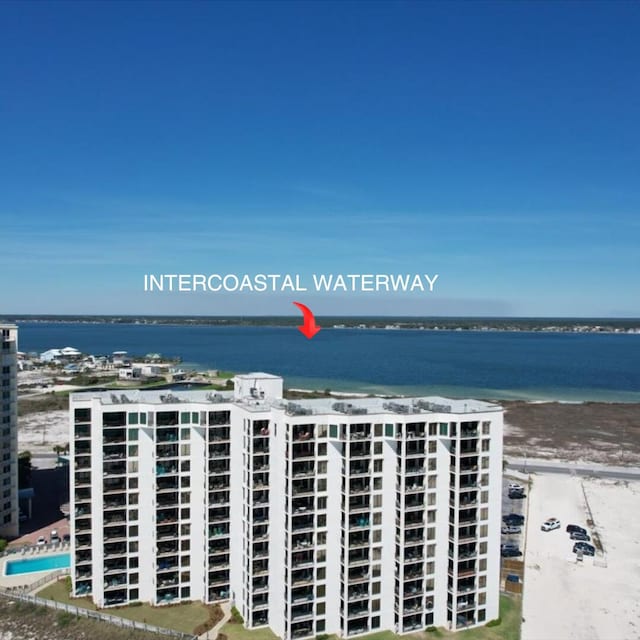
<point>8,431</point>
<point>314,516</point>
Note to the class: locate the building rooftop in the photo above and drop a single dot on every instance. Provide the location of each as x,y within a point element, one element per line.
<point>320,406</point>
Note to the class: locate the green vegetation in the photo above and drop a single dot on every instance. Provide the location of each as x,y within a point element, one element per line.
<point>185,617</point>
<point>24,469</point>
<point>226,374</point>
<point>46,402</point>
<point>235,631</point>
<point>3,544</point>
<point>236,618</point>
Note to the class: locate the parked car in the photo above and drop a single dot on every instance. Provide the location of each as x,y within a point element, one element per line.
<point>66,538</point>
<point>587,549</point>
<point>574,528</point>
<point>578,535</point>
<point>513,518</point>
<point>517,494</point>
<point>55,538</point>
<point>510,552</point>
<point>514,486</point>
<point>41,541</point>
<point>510,528</point>
<point>550,524</point>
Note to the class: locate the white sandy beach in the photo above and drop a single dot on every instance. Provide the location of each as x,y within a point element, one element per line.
<point>566,600</point>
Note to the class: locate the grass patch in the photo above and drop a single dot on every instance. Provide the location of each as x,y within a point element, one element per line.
<point>235,631</point>
<point>185,617</point>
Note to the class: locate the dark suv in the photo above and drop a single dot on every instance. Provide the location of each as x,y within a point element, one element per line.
<point>587,549</point>
<point>578,535</point>
<point>513,519</point>
<point>574,528</point>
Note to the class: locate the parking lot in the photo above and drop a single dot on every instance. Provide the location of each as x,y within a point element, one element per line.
<point>596,598</point>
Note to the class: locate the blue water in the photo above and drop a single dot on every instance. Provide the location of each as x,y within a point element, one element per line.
<point>31,565</point>
<point>529,365</point>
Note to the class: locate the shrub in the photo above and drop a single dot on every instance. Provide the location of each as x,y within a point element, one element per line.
<point>236,617</point>
<point>494,623</point>
<point>64,618</point>
<point>67,583</point>
<point>3,544</point>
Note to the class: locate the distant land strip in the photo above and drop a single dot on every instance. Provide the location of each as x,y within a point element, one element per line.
<point>576,325</point>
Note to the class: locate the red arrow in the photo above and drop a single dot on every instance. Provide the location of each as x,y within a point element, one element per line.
<point>309,328</point>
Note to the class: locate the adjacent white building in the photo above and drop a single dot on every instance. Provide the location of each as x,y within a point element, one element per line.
<point>313,517</point>
<point>8,431</point>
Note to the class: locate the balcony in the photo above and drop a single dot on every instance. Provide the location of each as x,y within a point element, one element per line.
<point>115,534</point>
<point>114,469</point>
<point>303,541</point>
<point>358,539</point>
<point>301,577</point>
<point>84,542</point>
<point>114,518</point>
<point>303,451</point>
<point>115,453</point>
<point>358,575</point>
<point>301,631</point>
<point>115,550</point>
<point>220,435</point>
<point>83,558</point>
<point>218,484</point>
<point>357,558</point>
<point>166,484</point>
<point>358,522</point>
<point>83,511</point>
<point>356,469</point>
<point>219,531</point>
<point>168,564</point>
<point>412,487</point>
<point>303,469</point>
<point>260,567</point>
<point>413,470</point>
<point>360,450</point>
<point>358,626</point>
<point>82,479</point>
<point>357,487</point>
<point>465,604</point>
<point>302,433</point>
<point>115,583</point>
<point>303,488</point>
<point>304,523</point>
<point>166,435</point>
<point>413,520</point>
<point>167,548</point>
<point>358,593</point>
<point>164,451</point>
<point>261,429</point>
<point>82,431</point>
<point>302,612</point>
<point>166,468</point>
<point>114,485</point>
<point>219,514</point>
<point>260,585</point>
<point>167,532</point>
<point>217,578</point>
<point>414,449</point>
<point>359,504</point>
<point>219,451</point>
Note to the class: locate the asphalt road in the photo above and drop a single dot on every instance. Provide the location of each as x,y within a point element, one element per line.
<point>597,471</point>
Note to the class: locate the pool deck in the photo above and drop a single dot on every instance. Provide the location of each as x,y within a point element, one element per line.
<point>27,579</point>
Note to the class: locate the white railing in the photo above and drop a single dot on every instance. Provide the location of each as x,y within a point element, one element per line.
<point>96,615</point>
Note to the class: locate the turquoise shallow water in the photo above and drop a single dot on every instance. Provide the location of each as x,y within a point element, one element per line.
<point>494,364</point>
<point>31,565</point>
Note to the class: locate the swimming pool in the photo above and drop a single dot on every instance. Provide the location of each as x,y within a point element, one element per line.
<point>31,565</point>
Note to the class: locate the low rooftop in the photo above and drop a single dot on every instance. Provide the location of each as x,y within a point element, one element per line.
<point>320,406</point>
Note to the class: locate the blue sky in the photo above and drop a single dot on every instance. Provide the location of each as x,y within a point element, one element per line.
<point>496,144</point>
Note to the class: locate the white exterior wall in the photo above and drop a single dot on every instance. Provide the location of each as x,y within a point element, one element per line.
<point>8,431</point>
<point>261,429</point>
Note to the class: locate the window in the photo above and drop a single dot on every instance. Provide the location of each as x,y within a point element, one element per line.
<point>320,591</point>
<point>485,444</point>
<point>133,434</point>
<point>322,431</point>
<point>375,588</point>
<point>143,418</point>
<point>185,545</point>
<point>485,428</point>
<point>320,625</point>
<point>133,531</point>
<point>194,417</point>
<point>375,605</point>
<point>320,607</point>
<point>377,448</point>
<point>133,514</point>
<point>133,450</point>
<point>377,466</point>
<point>444,428</point>
<point>377,430</point>
<point>185,434</point>
<point>322,449</point>
<point>133,418</point>
<point>333,430</point>
<point>482,614</point>
<point>133,578</point>
<point>322,486</point>
<point>377,518</point>
<point>133,483</point>
<point>133,548</point>
<point>388,430</point>
<point>377,535</point>
<point>321,573</point>
<point>377,484</point>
